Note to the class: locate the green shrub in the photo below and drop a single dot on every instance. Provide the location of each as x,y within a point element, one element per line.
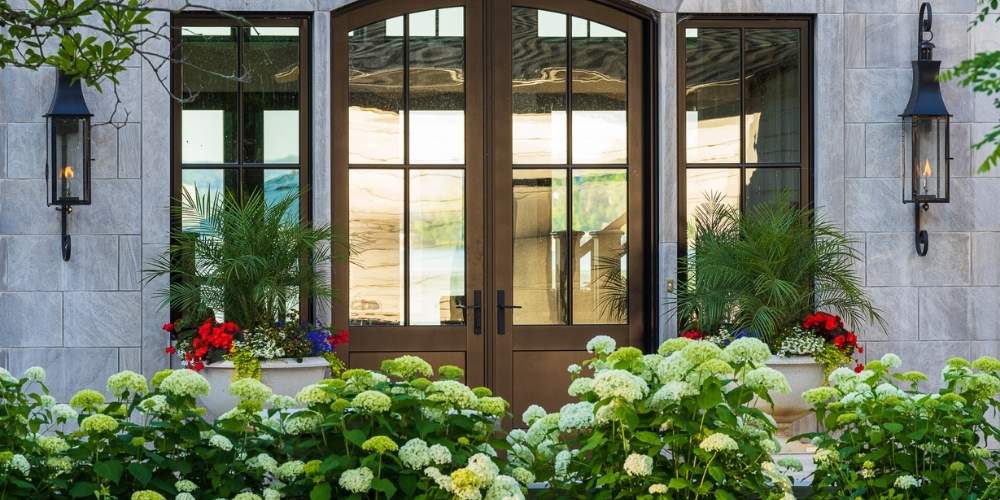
<point>677,424</point>
<point>883,441</point>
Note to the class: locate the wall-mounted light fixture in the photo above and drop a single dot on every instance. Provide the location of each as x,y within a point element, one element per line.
<point>68,152</point>
<point>926,138</point>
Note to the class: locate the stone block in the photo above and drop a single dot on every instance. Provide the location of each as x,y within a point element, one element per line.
<point>667,317</point>
<point>321,119</point>
<point>986,193</point>
<point>23,208</point>
<point>129,262</point>
<point>712,6</point>
<point>952,40</point>
<point>94,263</point>
<point>829,95</point>
<point>879,6</point>
<point>984,312</point>
<point>667,116</point>
<point>876,205</point>
<point>858,244</point>
<point>782,6</point>
<point>130,152</point>
<point>892,260</point>
<point>68,369</point>
<point>854,150</point>
<point>155,141</point>
<point>117,103</point>
<point>944,313</point>
<point>31,319</point>
<point>854,40</point>
<point>958,214</point>
<point>114,208</point>
<point>25,94</point>
<point>32,263</point>
<point>961,150</point>
<point>3,150</point>
<point>876,95</point>
<point>953,7</point>
<point>130,358</point>
<point>26,151</point>
<point>890,40</point>
<point>928,357</point>
<point>154,315</point>
<point>986,258</point>
<point>102,319</point>
<point>986,35</point>
<point>898,307</point>
<point>883,150</point>
<point>104,140</point>
<point>960,101</point>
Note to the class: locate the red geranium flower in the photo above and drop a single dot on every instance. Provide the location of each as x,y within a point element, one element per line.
<point>692,334</point>
<point>858,368</point>
<point>338,338</point>
<point>852,339</point>
<point>168,327</point>
<point>170,349</point>
<point>861,349</point>
<point>839,341</point>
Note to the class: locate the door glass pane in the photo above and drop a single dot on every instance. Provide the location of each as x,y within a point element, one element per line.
<point>437,246</point>
<point>771,184</point>
<point>271,95</point>
<point>208,119</point>
<point>375,120</point>
<point>600,67</point>
<point>437,87</point>
<point>199,183</point>
<point>712,72</point>
<point>376,235</point>
<point>540,247</point>
<point>600,260</point>
<point>539,86</point>
<point>705,184</point>
<point>772,90</point>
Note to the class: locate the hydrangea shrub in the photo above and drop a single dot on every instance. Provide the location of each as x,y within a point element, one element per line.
<point>676,424</point>
<point>884,438</point>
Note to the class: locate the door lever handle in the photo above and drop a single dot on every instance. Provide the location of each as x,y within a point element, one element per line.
<point>502,307</point>
<point>477,308</point>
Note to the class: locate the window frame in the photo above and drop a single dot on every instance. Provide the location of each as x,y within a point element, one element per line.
<point>806,70</point>
<point>304,166</point>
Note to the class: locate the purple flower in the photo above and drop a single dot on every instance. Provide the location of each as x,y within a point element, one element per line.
<point>318,339</point>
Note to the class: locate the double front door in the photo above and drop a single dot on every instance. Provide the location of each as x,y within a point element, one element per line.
<point>488,164</point>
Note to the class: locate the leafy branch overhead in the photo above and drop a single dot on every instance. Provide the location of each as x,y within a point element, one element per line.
<point>982,74</point>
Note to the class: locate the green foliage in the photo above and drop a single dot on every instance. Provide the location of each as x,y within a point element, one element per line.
<point>679,424</point>
<point>884,441</point>
<point>243,256</point>
<point>766,268</point>
<point>51,33</point>
<point>982,74</point>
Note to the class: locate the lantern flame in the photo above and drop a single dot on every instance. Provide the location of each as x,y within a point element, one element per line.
<point>67,172</point>
<point>927,169</point>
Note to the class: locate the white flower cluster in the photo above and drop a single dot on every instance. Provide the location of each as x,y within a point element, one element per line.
<point>453,392</point>
<point>221,442</point>
<point>620,384</point>
<point>356,480</point>
<point>415,454</point>
<point>638,465</point>
<point>35,374</point>
<point>371,402</point>
<point>601,345</point>
<point>127,382</point>
<point>576,416</point>
<point>768,379</point>
<point>250,390</point>
<point>801,342</point>
<point>187,383</point>
<point>260,345</point>
<point>314,394</point>
<point>718,442</point>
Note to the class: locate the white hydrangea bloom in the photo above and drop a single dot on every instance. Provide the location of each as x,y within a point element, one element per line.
<point>185,486</point>
<point>127,382</point>
<point>504,488</point>
<point>767,378</point>
<point>674,367</point>
<point>672,391</point>
<point>35,374</point>
<point>271,494</point>
<point>221,442</point>
<point>841,375</point>
<point>302,422</point>
<point>454,392</point>
<point>5,376</point>
<point>439,454</point>
<point>580,386</point>
<point>891,360</point>
<point>638,465</point>
<point>314,394</point>
<point>601,345</point>
<point>574,369</point>
<point>562,464</point>
<point>415,454</point>
<point>290,470</point>
<point>154,405</point>
<point>187,383</point>
<point>747,350</point>
<point>19,463</point>
<point>718,442</point>
<point>620,384</point>
<point>372,402</point>
<point>63,411</point>
<point>184,496</point>
<point>532,413</point>
<point>264,462</point>
<point>576,416</point>
<point>356,480</point>
<point>281,402</point>
<point>906,482</point>
<point>250,389</point>
<point>46,401</point>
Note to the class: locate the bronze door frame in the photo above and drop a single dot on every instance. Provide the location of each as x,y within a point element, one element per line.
<point>488,167</point>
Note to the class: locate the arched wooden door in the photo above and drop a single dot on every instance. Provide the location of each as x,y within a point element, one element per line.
<point>489,163</point>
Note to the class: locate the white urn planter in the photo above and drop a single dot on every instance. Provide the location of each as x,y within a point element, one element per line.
<point>803,373</point>
<point>284,376</point>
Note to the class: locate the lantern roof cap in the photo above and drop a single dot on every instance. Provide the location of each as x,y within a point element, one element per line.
<point>925,94</point>
<point>68,99</point>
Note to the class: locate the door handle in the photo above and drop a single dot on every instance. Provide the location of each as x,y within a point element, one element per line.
<point>477,308</point>
<point>502,307</point>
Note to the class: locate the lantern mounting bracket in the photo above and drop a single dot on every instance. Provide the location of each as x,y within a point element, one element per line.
<point>67,242</point>
<point>921,239</point>
<point>924,22</point>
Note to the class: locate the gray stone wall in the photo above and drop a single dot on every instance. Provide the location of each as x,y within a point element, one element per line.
<point>90,317</point>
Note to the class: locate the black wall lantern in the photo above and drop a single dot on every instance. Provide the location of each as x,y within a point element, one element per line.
<point>926,138</point>
<point>68,152</point>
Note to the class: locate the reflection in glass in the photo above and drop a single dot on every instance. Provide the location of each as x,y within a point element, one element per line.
<point>539,86</point>
<point>376,235</point>
<point>704,184</point>
<point>208,119</point>
<point>540,247</point>
<point>437,246</point>
<point>772,90</point>
<point>198,183</point>
<point>599,243</point>
<point>771,184</point>
<point>271,95</point>
<point>712,72</point>
<point>600,68</point>
<point>376,94</point>
<point>437,87</point>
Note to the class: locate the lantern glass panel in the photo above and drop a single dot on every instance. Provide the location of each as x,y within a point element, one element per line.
<point>69,155</point>
<point>925,159</point>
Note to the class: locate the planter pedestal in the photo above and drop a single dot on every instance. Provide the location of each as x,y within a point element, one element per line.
<point>803,373</point>
<point>284,376</point>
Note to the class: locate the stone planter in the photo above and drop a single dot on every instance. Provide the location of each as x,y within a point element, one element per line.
<point>284,376</point>
<point>803,373</point>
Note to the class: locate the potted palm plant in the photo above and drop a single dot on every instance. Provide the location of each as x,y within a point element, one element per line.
<point>237,267</point>
<point>770,272</point>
